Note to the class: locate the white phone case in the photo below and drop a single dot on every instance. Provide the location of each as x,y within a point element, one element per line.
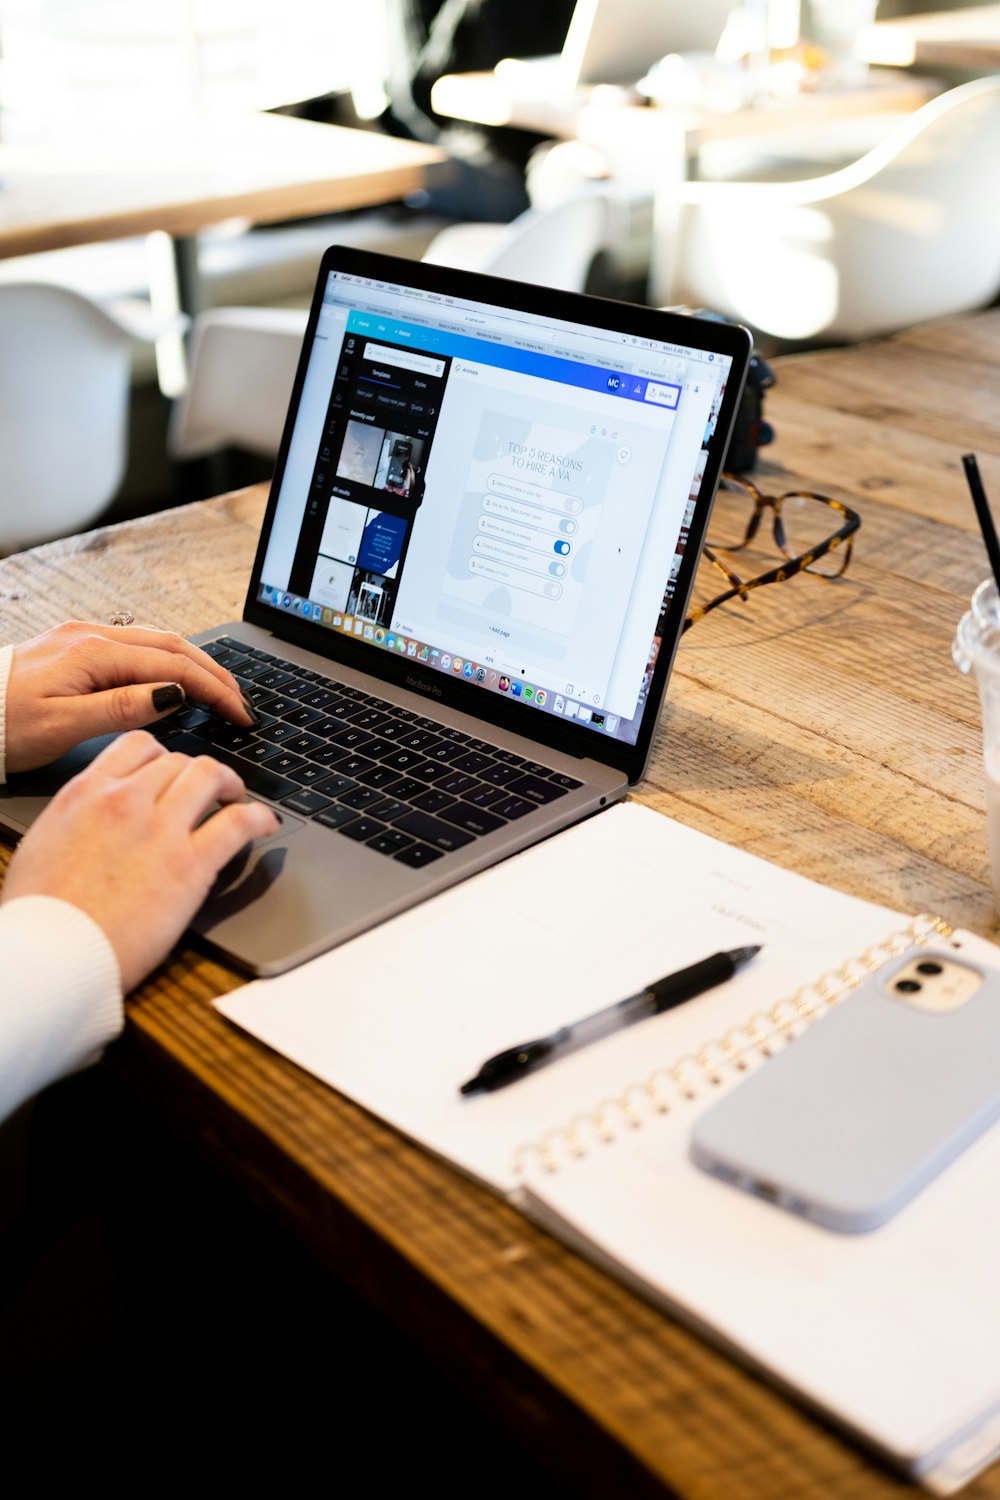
<point>864,1109</point>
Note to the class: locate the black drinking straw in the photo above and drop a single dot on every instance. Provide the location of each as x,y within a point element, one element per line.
<point>982,505</point>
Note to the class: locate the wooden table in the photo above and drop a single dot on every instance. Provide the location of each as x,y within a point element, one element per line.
<point>821,726</point>
<point>965,38</point>
<point>176,180</point>
<point>181,179</point>
<point>607,117</point>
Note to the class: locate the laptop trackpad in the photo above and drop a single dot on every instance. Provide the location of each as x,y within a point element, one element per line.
<point>233,876</point>
<point>288,827</point>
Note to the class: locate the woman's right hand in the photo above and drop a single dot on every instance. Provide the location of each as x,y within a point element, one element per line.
<point>128,842</point>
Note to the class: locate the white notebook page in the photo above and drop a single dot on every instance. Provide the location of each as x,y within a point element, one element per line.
<point>401,1016</point>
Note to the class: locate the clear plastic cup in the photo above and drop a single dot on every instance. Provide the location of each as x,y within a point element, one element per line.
<point>976,647</point>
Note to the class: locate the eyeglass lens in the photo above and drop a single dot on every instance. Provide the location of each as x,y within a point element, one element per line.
<point>793,525</point>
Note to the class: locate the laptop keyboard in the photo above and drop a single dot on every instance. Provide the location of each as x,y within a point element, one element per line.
<point>408,787</point>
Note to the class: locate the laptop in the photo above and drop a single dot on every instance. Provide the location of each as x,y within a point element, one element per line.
<point>618,41</point>
<point>482,531</point>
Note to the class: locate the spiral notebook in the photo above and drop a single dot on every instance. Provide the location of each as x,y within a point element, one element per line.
<point>895,1334</point>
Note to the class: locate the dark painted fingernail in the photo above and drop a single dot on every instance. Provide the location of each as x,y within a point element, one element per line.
<point>171,695</point>
<point>254,716</point>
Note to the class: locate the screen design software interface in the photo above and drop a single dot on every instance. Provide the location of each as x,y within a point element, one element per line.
<point>497,495</point>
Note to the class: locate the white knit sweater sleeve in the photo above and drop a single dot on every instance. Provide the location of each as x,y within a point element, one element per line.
<point>60,992</point>
<point>60,996</point>
<point>6,653</point>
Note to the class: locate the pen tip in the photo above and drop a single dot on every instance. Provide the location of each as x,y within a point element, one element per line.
<point>741,956</point>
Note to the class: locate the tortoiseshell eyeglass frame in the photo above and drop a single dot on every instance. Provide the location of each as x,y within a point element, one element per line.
<point>842,538</point>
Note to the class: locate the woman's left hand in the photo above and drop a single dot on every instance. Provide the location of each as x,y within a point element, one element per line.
<point>128,842</point>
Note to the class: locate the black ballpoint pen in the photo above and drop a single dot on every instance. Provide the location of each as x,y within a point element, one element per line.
<point>516,1062</point>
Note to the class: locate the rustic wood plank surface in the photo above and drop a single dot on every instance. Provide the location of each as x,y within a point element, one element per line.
<point>823,726</point>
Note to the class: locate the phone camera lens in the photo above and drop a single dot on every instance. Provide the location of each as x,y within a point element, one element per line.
<point>908,986</point>
<point>929,966</point>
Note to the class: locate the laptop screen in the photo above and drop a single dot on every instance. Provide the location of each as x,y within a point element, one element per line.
<point>495,494</point>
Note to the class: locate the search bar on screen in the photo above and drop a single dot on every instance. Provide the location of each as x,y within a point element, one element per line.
<point>404,359</point>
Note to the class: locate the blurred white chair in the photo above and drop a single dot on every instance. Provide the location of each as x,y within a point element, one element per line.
<point>908,233</point>
<point>65,371</point>
<point>242,360</point>
<point>553,246</point>
<point>241,368</point>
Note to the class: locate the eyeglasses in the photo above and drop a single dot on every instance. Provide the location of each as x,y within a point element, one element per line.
<point>800,527</point>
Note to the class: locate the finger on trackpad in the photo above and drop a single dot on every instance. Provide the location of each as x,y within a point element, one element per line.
<point>288,827</point>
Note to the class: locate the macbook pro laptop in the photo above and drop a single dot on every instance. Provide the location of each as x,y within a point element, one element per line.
<point>618,41</point>
<point>472,575</point>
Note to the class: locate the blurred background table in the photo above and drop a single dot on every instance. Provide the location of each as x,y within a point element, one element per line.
<point>170,182</point>
<point>961,38</point>
<point>603,114</point>
<point>185,177</point>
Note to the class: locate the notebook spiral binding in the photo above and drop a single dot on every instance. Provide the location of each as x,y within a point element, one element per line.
<point>739,1049</point>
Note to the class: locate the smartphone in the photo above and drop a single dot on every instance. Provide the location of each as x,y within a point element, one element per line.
<point>853,1118</point>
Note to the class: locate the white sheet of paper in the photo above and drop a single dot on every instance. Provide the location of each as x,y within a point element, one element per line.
<point>401,1016</point>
